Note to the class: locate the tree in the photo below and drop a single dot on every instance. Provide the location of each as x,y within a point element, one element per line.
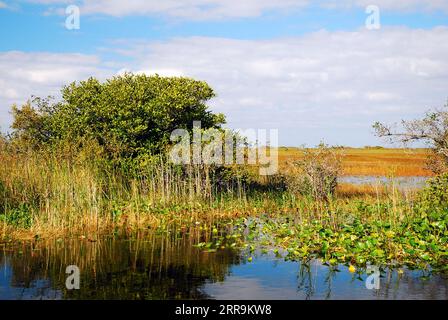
<point>31,123</point>
<point>432,129</point>
<point>128,115</point>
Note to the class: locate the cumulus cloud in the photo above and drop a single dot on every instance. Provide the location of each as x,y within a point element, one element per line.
<point>321,85</point>
<point>41,74</point>
<point>324,85</point>
<point>187,9</point>
<point>225,9</point>
<point>393,5</point>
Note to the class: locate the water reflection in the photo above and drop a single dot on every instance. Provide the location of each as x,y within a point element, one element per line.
<point>269,279</point>
<point>151,268</point>
<point>165,268</point>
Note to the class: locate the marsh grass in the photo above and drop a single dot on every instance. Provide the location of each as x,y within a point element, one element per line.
<point>372,161</point>
<point>49,195</point>
<point>80,198</point>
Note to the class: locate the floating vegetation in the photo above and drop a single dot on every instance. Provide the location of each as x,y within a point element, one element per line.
<point>419,243</point>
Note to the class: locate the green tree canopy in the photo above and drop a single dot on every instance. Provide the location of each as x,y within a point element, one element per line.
<point>128,115</point>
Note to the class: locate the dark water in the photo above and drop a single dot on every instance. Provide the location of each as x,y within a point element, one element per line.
<point>161,268</point>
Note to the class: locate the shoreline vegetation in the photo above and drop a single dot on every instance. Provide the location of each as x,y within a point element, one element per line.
<point>95,164</point>
<point>41,192</point>
<point>49,197</point>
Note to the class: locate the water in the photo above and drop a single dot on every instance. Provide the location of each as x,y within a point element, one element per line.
<point>399,182</point>
<point>162,268</point>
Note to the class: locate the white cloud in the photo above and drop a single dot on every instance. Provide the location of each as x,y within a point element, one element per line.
<point>225,9</point>
<point>322,85</point>
<point>3,5</point>
<point>344,94</point>
<point>393,5</point>
<point>186,9</point>
<point>162,72</point>
<point>41,74</point>
<point>382,97</point>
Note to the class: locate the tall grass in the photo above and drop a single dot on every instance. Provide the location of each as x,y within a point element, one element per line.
<point>65,193</point>
<point>78,192</point>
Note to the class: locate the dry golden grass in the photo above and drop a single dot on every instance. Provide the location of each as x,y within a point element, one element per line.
<point>372,162</point>
<point>347,190</point>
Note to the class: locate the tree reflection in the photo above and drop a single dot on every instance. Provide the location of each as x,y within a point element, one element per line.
<point>150,267</point>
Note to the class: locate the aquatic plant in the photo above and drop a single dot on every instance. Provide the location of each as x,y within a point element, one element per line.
<point>415,242</point>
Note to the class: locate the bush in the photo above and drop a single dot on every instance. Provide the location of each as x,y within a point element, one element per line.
<point>316,173</point>
<point>433,199</point>
<point>128,115</point>
<point>20,217</point>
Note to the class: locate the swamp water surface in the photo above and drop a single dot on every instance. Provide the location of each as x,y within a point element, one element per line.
<point>157,267</point>
<point>398,182</point>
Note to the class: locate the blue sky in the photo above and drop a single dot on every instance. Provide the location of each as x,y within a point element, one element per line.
<point>308,68</point>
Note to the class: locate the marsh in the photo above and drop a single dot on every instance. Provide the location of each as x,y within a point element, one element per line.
<point>157,267</point>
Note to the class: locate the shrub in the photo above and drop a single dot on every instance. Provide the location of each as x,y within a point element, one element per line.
<point>433,199</point>
<point>127,115</point>
<point>18,217</point>
<point>316,173</point>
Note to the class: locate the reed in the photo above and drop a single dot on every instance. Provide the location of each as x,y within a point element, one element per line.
<point>49,195</point>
